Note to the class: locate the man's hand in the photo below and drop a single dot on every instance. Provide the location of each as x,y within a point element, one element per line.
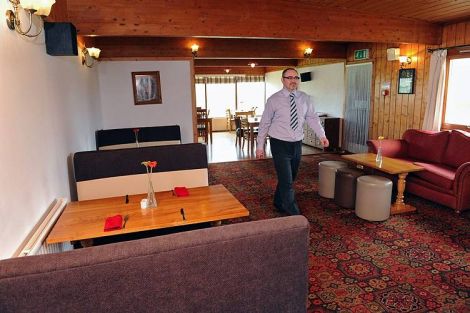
<point>324,141</point>
<point>259,154</point>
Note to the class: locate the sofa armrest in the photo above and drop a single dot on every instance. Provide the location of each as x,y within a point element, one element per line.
<point>462,187</point>
<point>394,148</point>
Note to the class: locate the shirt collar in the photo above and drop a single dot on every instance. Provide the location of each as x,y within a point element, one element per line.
<point>286,92</point>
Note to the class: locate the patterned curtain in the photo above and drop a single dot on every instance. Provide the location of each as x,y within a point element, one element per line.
<point>356,117</point>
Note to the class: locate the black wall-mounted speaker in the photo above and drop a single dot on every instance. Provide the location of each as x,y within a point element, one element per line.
<point>306,77</point>
<point>61,39</point>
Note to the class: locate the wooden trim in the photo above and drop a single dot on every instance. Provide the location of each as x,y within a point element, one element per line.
<point>444,125</point>
<point>193,100</point>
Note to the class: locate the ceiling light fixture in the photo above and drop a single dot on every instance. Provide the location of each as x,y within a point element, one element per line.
<point>308,52</point>
<point>194,49</point>
<point>252,64</point>
<point>32,7</point>
<point>227,70</point>
<point>90,56</point>
<point>404,60</point>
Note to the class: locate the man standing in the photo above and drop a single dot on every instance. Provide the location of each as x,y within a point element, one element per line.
<point>283,119</point>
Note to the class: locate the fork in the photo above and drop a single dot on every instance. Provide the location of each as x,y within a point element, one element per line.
<point>126,217</point>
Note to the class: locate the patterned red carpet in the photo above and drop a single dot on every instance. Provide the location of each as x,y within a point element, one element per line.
<point>417,262</point>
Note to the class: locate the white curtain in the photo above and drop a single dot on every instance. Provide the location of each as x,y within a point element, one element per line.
<point>356,116</point>
<point>436,89</point>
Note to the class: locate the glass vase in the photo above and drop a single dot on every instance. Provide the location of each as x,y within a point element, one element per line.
<point>151,200</point>
<point>378,157</point>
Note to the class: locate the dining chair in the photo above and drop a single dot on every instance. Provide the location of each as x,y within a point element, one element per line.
<point>247,132</point>
<point>238,130</point>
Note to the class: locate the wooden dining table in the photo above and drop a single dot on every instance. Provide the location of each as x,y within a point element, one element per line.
<point>208,124</point>
<point>84,220</point>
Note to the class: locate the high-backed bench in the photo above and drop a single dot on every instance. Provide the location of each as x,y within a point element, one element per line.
<point>120,138</point>
<point>256,266</point>
<point>111,173</point>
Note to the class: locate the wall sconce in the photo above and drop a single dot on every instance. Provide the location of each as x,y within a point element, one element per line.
<point>404,60</point>
<point>90,56</point>
<point>194,49</point>
<point>252,64</point>
<point>308,52</point>
<point>39,8</point>
<point>227,70</point>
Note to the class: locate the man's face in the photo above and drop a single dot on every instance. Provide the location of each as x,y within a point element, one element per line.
<point>292,81</point>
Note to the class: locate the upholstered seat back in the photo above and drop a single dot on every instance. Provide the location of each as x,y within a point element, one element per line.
<point>111,173</point>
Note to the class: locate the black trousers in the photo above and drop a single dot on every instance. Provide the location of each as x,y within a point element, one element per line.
<point>286,157</point>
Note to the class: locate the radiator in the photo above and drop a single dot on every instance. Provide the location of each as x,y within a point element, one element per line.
<point>35,241</point>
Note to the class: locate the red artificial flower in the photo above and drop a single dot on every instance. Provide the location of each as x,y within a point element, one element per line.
<point>152,164</point>
<point>135,130</point>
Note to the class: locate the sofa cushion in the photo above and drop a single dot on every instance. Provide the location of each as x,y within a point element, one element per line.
<point>425,145</point>
<point>437,174</point>
<point>458,149</point>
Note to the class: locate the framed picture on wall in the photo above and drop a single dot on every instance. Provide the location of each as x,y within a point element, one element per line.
<point>147,89</point>
<point>406,80</point>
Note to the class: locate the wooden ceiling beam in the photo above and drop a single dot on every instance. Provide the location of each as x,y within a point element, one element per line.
<point>224,63</point>
<point>233,71</point>
<point>222,48</point>
<point>244,19</point>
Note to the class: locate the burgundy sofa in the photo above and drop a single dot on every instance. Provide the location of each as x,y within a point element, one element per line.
<point>259,266</point>
<point>445,155</point>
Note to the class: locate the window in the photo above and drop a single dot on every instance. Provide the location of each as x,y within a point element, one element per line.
<point>201,95</point>
<point>219,93</point>
<point>456,113</point>
<point>251,94</point>
<point>220,97</point>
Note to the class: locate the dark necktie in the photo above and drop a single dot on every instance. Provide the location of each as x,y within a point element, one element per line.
<point>293,112</point>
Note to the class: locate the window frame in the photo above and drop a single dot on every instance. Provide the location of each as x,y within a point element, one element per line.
<point>452,54</point>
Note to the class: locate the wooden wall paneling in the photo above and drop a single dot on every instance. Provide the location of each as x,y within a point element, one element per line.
<point>460,33</point>
<point>393,100</point>
<point>450,36</point>
<point>378,109</point>
<point>467,33</point>
<point>412,97</point>
<point>386,100</point>
<point>375,96</point>
<point>420,82</point>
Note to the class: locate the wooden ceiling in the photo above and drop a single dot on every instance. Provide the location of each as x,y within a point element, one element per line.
<point>271,32</point>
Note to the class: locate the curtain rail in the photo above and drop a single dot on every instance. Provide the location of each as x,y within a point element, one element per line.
<point>451,47</point>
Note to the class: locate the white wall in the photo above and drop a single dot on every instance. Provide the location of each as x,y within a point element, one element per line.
<point>327,87</point>
<point>117,99</point>
<point>48,109</point>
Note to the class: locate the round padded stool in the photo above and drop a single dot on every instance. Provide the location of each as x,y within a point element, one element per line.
<point>326,177</point>
<point>373,198</point>
<point>345,187</point>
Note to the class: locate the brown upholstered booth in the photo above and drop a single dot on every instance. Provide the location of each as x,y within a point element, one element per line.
<point>256,266</point>
<point>119,138</point>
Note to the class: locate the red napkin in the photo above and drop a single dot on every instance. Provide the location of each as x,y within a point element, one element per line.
<point>113,223</point>
<point>181,191</point>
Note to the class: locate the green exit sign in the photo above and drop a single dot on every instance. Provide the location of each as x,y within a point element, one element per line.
<point>361,54</point>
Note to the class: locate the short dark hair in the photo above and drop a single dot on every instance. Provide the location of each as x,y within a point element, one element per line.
<point>288,69</point>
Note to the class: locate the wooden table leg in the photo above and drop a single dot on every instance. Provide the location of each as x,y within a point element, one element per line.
<point>252,138</point>
<point>210,129</point>
<point>399,206</point>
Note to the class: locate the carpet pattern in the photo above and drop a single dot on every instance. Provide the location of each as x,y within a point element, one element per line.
<point>417,262</point>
